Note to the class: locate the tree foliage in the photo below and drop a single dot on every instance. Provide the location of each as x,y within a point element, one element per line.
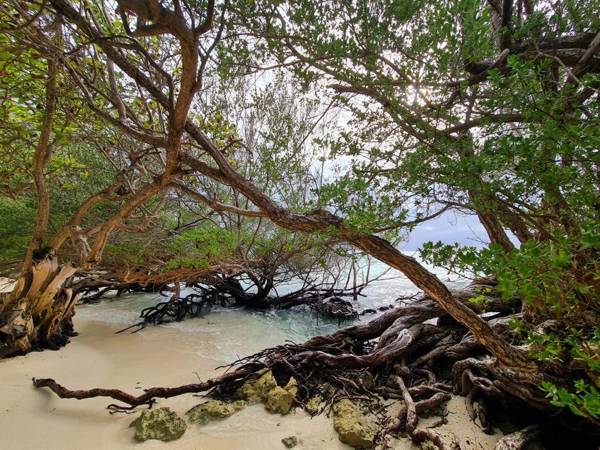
<point>485,108</point>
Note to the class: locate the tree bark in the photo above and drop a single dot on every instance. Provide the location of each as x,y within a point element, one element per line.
<point>371,244</point>
<point>38,312</point>
<point>43,152</point>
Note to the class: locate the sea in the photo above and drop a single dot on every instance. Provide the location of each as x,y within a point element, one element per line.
<point>240,331</point>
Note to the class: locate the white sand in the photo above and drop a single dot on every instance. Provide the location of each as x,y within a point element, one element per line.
<point>33,419</point>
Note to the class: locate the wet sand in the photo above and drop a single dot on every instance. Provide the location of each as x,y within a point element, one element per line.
<point>159,356</point>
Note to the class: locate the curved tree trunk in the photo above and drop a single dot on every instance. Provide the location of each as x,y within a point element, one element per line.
<point>381,249</point>
<point>494,229</point>
<point>38,312</point>
<point>373,245</point>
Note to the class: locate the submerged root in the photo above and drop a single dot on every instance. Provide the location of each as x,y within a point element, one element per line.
<point>325,303</point>
<point>177,309</point>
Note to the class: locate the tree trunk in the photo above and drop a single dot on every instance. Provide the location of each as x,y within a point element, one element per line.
<point>38,312</point>
<point>370,244</point>
<point>43,152</point>
<point>494,229</point>
<point>432,286</point>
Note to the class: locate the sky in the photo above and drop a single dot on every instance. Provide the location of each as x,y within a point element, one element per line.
<point>449,228</point>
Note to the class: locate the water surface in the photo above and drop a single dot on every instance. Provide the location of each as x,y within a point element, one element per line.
<point>237,331</point>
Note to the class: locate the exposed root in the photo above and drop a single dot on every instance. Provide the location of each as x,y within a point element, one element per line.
<point>410,410</point>
<point>423,434</point>
<point>93,293</point>
<point>151,394</point>
<point>403,363</point>
<point>408,417</point>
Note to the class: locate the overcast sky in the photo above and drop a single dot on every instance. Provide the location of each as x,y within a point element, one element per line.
<point>449,228</point>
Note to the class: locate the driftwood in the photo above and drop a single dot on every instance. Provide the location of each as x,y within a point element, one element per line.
<point>150,395</point>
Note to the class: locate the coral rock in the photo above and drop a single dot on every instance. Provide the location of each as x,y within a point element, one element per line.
<point>352,426</point>
<point>162,424</point>
<point>256,391</point>
<point>213,410</point>
<point>290,441</point>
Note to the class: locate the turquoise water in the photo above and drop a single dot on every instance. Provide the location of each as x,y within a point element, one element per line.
<point>238,328</point>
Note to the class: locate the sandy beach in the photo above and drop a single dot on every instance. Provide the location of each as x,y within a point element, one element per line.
<point>158,356</point>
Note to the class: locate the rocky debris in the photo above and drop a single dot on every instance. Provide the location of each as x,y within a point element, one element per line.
<point>257,390</point>
<point>352,426</point>
<point>525,438</point>
<point>364,312</point>
<point>213,410</point>
<point>265,390</point>
<point>290,441</point>
<point>428,445</point>
<point>279,400</point>
<point>162,424</point>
